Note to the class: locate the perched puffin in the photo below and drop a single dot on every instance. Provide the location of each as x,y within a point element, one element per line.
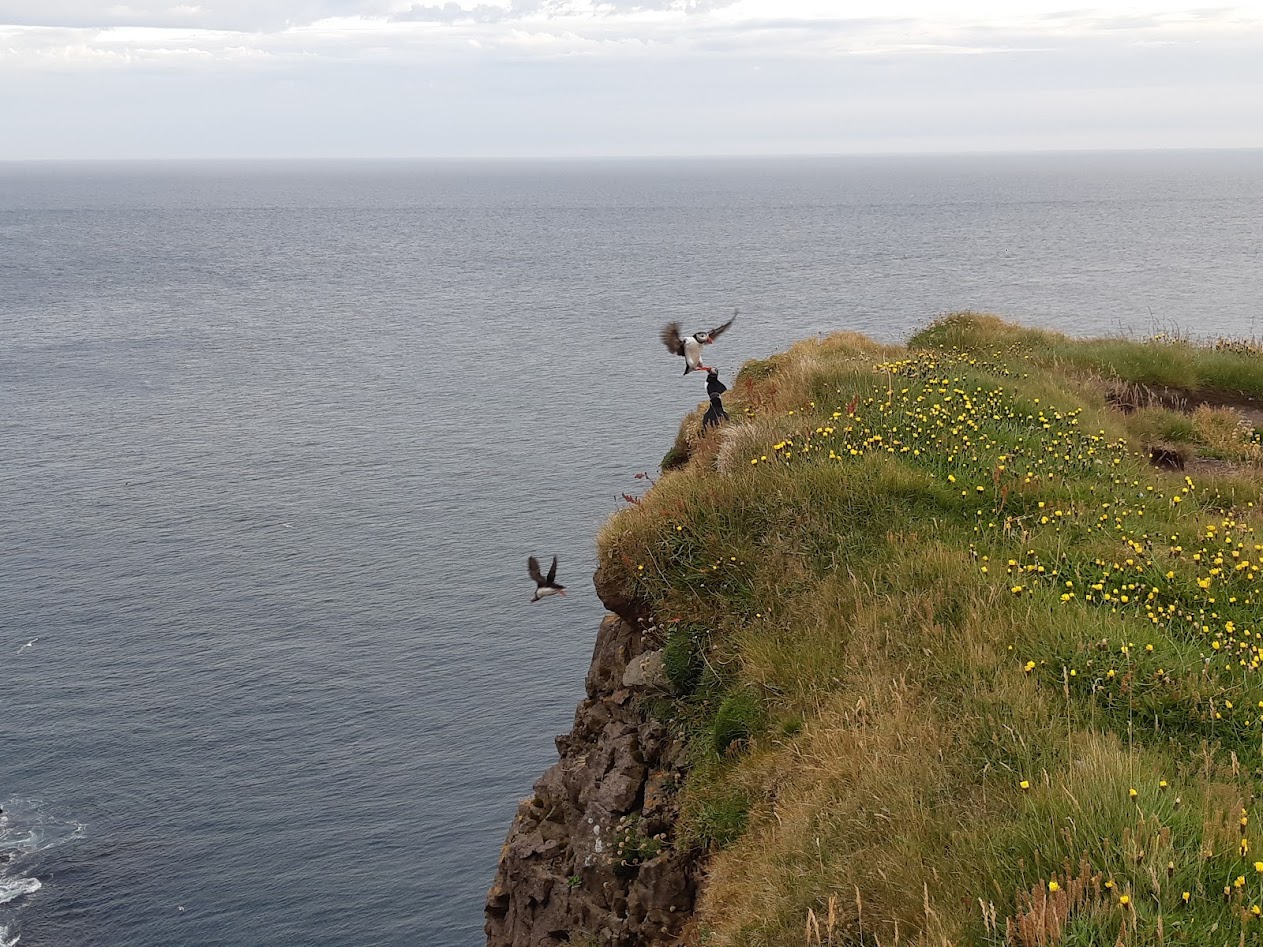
<point>544,585</point>
<point>714,388</point>
<point>691,347</point>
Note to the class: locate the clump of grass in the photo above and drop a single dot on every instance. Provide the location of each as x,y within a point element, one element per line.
<point>738,718</point>
<point>756,370</point>
<point>715,814</point>
<point>687,439</point>
<point>1044,912</point>
<point>1222,433</point>
<point>1154,425</point>
<point>682,658</point>
<point>1013,654</point>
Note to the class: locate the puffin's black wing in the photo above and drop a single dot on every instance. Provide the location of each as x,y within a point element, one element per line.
<point>532,566</point>
<point>716,333</point>
<point>552,573</point>
<point>671,338</point>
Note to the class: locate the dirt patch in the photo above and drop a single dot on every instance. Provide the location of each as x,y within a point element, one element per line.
<point>1168,457</point>
<point>1213,465</point>
<point>1128,397</point>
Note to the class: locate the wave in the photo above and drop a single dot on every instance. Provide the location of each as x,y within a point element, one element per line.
<point>26,828</point>
<point>11,888</point>
<point>7,939</point>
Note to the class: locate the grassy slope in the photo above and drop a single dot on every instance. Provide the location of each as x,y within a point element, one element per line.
<point>958,666</point>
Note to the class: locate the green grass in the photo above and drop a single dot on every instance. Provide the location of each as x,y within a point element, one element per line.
<point>738,719</point>
<point>1161,361</point>
<point>932,618</point>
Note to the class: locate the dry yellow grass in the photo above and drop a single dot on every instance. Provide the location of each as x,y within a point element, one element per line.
<point>1224,432</point>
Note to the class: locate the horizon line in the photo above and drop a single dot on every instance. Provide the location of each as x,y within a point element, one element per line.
<point>751,156</point>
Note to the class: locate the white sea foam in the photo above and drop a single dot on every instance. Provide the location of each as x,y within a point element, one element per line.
<point>11,888</point>
<point>26,827</point>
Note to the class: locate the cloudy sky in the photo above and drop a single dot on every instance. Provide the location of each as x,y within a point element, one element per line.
<point>401,78</point>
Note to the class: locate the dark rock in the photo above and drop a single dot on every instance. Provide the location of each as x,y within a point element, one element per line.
<point>559,878</point>
<point>664,893</point>
<point>616,644</point>
<point>612,589</point>
<point>659,792</point>
<point>646,673</point>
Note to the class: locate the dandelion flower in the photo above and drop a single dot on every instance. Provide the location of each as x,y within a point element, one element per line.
<point>1025,784</point>
<point>1053,886</point>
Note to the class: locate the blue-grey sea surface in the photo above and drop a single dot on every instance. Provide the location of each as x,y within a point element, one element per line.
<point>277,439</point>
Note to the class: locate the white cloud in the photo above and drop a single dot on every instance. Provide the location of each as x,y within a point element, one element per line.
<point>519,76</point>
<point>765,28</point>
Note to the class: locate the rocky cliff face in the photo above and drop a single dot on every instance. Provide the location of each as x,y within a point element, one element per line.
<point>590,859</point>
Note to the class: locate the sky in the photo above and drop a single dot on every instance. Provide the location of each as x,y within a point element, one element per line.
<point>518,78</point>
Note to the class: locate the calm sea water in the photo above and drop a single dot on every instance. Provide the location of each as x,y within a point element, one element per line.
<point>276,440</point>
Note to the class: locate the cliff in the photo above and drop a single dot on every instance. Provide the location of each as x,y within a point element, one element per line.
<point>590,852</point>
<point>958,642</point>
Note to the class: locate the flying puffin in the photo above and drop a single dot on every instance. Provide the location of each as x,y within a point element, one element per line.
<point>544,585</point>
<point>691,346</point>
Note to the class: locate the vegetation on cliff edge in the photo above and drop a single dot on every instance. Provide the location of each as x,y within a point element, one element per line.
<point>958,664</point>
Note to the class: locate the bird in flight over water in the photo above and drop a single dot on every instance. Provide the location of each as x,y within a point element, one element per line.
<point>691,346</point>
<point>29,644</point>
<point>544,584</point>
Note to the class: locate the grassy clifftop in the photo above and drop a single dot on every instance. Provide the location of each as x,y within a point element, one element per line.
<point>958,663</point>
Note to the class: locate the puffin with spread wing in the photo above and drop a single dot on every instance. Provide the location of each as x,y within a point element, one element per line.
<point>544,584</point>
<point>690,347</point>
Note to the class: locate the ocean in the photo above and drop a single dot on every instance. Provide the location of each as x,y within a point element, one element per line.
<point>277,438</point>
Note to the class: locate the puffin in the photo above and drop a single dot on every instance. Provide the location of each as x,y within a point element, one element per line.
<point>691,346</point>
<point>544,584</point>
